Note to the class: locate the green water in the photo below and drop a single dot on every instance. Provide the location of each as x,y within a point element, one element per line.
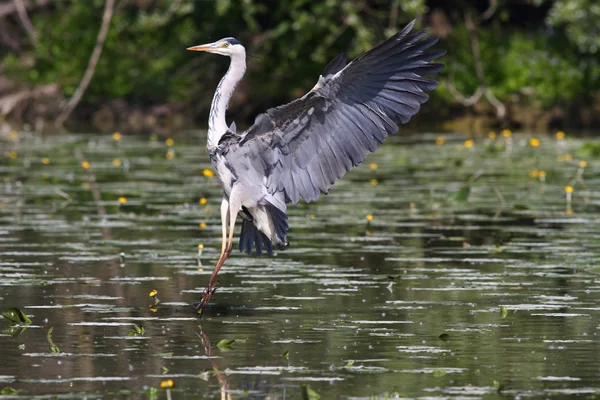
<point>473,279</point>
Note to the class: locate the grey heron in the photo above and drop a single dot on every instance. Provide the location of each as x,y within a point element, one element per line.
<point>300,149</point>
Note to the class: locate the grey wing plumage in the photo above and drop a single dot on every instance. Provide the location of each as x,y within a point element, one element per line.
<point>305,146</point>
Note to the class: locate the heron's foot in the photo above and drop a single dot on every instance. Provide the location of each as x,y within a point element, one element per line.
<point>206,296</point>
<point>211,287</point>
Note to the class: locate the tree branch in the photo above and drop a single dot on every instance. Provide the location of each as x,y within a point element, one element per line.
<point>9,7</point>
<point>25,21</point>
<point>462,99</point>
<point>89,72</point>
<point>482,89</point>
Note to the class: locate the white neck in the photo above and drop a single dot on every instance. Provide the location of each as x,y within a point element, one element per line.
<point>216,121</point>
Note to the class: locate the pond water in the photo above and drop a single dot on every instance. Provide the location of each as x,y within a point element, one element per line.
<point>448,270</point>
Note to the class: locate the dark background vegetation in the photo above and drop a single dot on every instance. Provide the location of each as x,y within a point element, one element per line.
<point>525,64</point>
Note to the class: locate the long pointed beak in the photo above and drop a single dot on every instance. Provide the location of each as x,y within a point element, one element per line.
<point>209,47</point>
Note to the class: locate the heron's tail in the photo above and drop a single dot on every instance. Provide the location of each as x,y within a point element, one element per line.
<point>251,236</point>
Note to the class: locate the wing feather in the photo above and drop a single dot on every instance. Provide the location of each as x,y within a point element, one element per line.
<point>305,146</point>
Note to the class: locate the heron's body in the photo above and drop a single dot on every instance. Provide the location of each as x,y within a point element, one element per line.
<point>300,149</point>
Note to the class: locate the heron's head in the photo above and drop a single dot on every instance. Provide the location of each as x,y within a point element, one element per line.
<point>226,47</point>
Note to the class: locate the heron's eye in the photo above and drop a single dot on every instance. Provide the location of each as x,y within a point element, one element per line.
<point>225,44</point>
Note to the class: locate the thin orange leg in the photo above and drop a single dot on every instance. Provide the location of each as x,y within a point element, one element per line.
<point>225,252</point>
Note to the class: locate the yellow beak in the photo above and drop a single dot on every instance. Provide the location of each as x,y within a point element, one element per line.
<point>202,47</point>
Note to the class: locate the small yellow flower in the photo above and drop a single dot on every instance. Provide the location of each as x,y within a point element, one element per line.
<point>116,136</point>
<point>203,201</point>
<point>153,293</point>
<point>45,161</point>
<point>492,135</point>
<point>369,217</point>
<point>569,189</point>
<point>312,216</point>
<point>506,132</point>
<point>208,172</point>
<point>153,309</point>
<point>534,142</point>
<point>440,140</point>
<point>122,200</point>
<point>568,157</point>
<point>170,154</point>
<point>202,225</point>
<point>560,135</point>
<point>116,162</point>
<point>542,174</point>
<point>374,182</point>
<point>569,211</point>
<point>534,173</point>
<point>14,135</point>
<point>582,164</point>
<point>373,166</point>
<point>167,384</point>
<point>468,143</point>
<point>85,164</point>
<point>201,246</point>
<point>12,154</point>
<point>169,142</point>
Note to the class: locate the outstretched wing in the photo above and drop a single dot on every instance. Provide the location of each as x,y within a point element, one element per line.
<point>305,146</point>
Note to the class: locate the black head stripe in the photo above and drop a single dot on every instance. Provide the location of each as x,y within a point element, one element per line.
<point>232,40</point>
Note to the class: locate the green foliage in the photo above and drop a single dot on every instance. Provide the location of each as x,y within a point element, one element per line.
<point>144,59</point>
<point>580,19</point>
<point>518,62</point>
<point>140,59</point>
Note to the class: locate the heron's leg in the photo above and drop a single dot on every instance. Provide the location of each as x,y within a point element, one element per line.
<point>233,211</point>
<point>224,222</point>
<point>210,287</point>
<point>234,207</point>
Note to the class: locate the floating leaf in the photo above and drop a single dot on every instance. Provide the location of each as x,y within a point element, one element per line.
<point>309,394</point>
<point>444,336</point>
<point>15,315</point>
<point>439,373</point>
<point>463,194</point>
<point>286,355</point>
<point>137,330</point>
<point>225,344</point>
<point>350,363</point>
<point>497,385</point>
<point>590,149</point>
<point>503,312</point>
<point>53,347</point>
<point>152,393</point>
<point>7,391</point>
<point>14,330</point>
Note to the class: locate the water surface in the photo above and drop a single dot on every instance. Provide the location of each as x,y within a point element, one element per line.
<point>431,271</point>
